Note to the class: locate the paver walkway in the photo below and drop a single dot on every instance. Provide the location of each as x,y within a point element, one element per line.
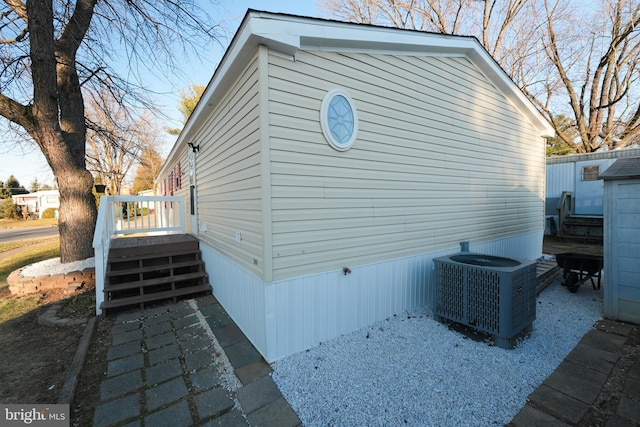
<point>597,384</point>
<point>187,364</point>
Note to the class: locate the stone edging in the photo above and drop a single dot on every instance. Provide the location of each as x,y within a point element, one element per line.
<point>71,382</point>
<point>50,318</point>
<point>70,282</point>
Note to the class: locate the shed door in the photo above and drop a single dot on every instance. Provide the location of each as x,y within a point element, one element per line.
<point>622,251</point>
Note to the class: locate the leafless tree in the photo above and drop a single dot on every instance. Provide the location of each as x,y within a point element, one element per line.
<point>492,21</point>
<point>148,169</point>
<point>116,139</point>
<point>575,59</point>
<point>56,51</point>
<point>595,61</point>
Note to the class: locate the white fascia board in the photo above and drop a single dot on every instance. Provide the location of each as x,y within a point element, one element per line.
<point>496,75</point>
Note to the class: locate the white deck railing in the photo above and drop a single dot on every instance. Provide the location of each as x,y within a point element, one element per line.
<point>123,215</point>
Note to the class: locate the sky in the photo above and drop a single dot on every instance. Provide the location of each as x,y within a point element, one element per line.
<point>27,163</point>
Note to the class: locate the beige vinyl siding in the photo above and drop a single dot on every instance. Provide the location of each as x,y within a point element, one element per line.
<point>229,174</point>
<point>441,157</point>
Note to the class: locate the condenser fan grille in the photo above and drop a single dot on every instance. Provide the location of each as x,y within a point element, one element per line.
<point>498,300</point>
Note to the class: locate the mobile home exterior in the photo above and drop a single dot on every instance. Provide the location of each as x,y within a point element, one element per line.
<point>334,161</point>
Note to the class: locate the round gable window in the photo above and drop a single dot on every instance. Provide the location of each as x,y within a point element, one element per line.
<point>339,119</point>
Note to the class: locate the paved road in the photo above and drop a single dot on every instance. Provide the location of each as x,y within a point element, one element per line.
<point>27,233</point>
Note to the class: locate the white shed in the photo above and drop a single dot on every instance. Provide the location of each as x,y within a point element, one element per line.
<point>328,163</point>
<point>622,240</point>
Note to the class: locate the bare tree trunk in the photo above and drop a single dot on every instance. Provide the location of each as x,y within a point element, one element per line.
<point>58,123</point>
<point>77,210</point>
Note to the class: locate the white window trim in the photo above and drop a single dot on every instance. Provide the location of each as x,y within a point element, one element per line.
<point>324,120</point>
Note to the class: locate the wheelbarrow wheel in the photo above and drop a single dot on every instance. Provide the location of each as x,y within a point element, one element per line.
<point>572,282</point>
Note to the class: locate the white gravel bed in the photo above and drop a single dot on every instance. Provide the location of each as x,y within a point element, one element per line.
<point>54,266</point>
<point>412,370</point>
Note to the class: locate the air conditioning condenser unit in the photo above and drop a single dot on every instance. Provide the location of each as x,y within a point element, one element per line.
<point>491,294</point>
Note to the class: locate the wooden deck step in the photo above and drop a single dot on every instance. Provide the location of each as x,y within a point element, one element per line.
<point>152,245</point>
<point>156,281</point>
<point>151,268</point>
<point>146,269</point>
<point>155,297</point>
<point>133,255</point>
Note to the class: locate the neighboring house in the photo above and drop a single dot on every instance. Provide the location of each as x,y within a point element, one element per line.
<point>38,202</point>
<point>578,174</point>
<point>328,163</point>
<point>622,240</point>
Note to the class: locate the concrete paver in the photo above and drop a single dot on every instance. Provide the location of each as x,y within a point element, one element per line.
<point>163,354</point>
<point>213,402</point>
<point>132,335</point>
<point>275,414</point>
<point>241,354</point>
<point>120,385</point>
<point>596,384</point>
<point>204,380</point>
<point>163,371</point>
<point>177,415</point>
<point>593,357</point>
<point>574,380</point>
<point>557,402</point>
<point>126,364</point>
<point>233,418</point>
<point>158,328</point>
<point>629,409</point>
<point>118,410</point>
<point>125,327</point>
<point>161,340</point>
<point>122,350</point>
<point>199,359</point>
<point>532,417</point>
<point>165,393</point>
<point>259,393</point>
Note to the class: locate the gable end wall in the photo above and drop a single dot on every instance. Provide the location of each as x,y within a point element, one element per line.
<point>441,157</point>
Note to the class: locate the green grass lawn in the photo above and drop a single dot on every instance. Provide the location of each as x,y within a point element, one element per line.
<point>11,308</point>
<point>31,254</point>
<point>35,249</point>
<point>15,223</point>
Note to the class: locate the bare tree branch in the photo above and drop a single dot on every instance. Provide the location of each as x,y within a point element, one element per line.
<point>570,58</point>
<point>16,112</point>
<point>57,53</point>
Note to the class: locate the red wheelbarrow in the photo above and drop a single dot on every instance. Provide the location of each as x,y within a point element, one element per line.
<point>578,268</point>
